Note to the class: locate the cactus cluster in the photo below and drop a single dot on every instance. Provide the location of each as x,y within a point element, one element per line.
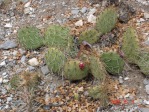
<point>114,64</point>
<point>107,20</point>
<point>97,68</point>
<point>130,45</point>
<point>55,60</point>
<point>58,36</point>
<point>29,38</point>
<point>90,36</point>
<point>75,70</point>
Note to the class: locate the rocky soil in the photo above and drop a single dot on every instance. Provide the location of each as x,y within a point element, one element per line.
<point>78,15</point>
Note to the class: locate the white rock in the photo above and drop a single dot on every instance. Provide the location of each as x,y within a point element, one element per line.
<point>7,20</point>
<point>126,78</point>
<point>84,9</point>
<point>8,25</point>
<point>29,10</point>
<point>120,80</point>
<point>5,80</point>
<point>3,91</point>
<point>141,20</point>
<point>146,102</point>
<point>9,99</point>
<point>104,3</point>
<point>81,89</point>
<point>147,89</point>
<point>3,63</point>
<point>91,19</point>
<point>79,23</point>
<point>146,15</point>
<point>4,74</point>
<point>33,62</point>
<point>127,95</point>
<point>7,106</point>
<point>27,4</point>
<point>92,11</point>
<point>15,53</point>
<point>1,80</point>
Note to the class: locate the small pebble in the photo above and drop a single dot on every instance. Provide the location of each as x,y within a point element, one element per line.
<point>146,15</point>
<point>79,23</point>
<point>84,10</point>
<point>8,25</point>
<point>5,80</point>
<point>75,11</point>
<point>9,99</point>
<point>3,63</point>
<point>33,62</point>
<point>91,19</point>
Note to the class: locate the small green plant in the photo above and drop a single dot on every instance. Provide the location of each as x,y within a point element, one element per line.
<point>99,92</point>
<point>58,36</point>
<point>107,20</point>
<point>114,64</point>
<point>130,45</point>
<point>97,68</point>
<point>75,70</point>
<point>143,63</point>
<point>76,96</point>
<point>29,38</point>
<point>15,81</point>
<point>55,60</point>
<point>90,36</point>
<point>30,80</point>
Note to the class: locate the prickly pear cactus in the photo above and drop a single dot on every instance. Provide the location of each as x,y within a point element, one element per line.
<point>114,64</point>
<point>143,63</point>
<point>130,45</point>
<point>58,36</point>
<point>107,20</point>
<point>90,36</point>
<point>29,38</point>
<point>55,60</point>
<point>75,70</point>
<point>97,68</point>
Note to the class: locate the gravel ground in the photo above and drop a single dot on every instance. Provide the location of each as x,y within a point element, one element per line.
<point>42,13</point>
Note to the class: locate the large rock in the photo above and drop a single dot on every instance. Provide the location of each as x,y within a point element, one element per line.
<point>147,89</point>
<point>8,44</point>
<point>45,70</point>
<point>146,15</point>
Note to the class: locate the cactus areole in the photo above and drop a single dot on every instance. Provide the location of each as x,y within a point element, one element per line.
<point>81,65</point>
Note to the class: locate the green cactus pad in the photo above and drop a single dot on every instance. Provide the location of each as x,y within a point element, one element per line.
<point>143,63</point>
<point>130,45</point>
<point>73,72</point>
<point>55,60</point>
<point>113,62</point>
<point>90,36</point>
<point>97,68</point>
<point>29,38</point>
<point>58,36</point>
<point>107,20</point>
